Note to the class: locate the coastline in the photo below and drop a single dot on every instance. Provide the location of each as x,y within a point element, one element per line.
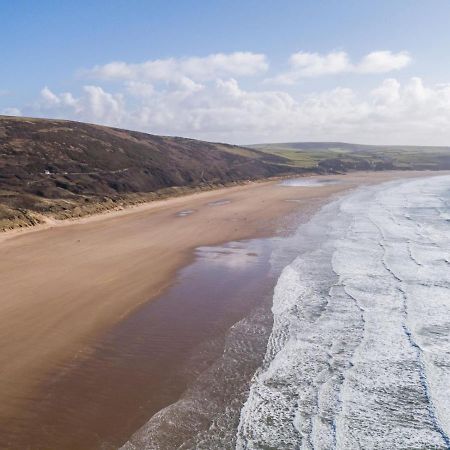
<point>100,268</point>
<point>354,351</point>
<point>48,222</point>
<point>128,207</point>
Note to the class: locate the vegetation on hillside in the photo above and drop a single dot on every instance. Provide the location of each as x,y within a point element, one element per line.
<point>331,156</point>
<point>68,169</point>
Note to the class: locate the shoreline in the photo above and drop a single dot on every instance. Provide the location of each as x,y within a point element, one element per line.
<point>150,359</point>
<point>333,359</point>
<point>49,222</point>
<point>99,265</point>
<point>125,209</point>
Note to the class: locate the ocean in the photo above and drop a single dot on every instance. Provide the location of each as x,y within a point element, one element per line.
<point>353,349</point>
<point>359,353</point>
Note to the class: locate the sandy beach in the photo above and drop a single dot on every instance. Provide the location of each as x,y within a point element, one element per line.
<point>63,285</point>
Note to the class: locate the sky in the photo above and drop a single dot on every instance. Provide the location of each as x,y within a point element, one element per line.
<point>247,71</point>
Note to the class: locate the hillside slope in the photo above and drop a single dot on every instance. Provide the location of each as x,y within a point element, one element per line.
<point>339,156</point>
<point>66,169</point>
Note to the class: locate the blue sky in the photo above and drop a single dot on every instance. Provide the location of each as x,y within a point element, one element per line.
<point>372,71</point>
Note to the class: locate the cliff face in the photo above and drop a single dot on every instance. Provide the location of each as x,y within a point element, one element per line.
<point>68,168</point>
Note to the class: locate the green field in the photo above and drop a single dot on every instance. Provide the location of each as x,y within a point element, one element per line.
<point>340,156</point>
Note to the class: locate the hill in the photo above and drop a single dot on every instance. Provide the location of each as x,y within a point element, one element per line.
<point>67,169</point>
<point>340,156</point>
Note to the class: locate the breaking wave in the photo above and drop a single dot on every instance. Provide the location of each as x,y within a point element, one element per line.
<point>359,354</point>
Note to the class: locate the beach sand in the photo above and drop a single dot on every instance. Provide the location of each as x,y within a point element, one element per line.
<point>65,285</point>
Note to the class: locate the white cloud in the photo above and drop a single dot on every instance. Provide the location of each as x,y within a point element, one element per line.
<point>222,110</point>
<point>102,105</point>
<point>313,64</point>
<point>388,93</point>
<point>204,98</point>
<point>305,64</point>
<point>140,89</point>
<point>49,98</point>
<point>94,105</point>
<point>383,61</point>
<point>11,112</point>
<point>176,70</point>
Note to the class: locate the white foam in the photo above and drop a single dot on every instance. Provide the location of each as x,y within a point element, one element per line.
<point>359,355</point>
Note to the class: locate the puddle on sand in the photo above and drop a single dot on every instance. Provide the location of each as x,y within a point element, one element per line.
<point>219,202</point>
<point>309,182</point>
<point>184,213</point>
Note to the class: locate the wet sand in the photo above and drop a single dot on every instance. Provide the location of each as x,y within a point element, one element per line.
<point>147,360</point>
<point>64,287</point>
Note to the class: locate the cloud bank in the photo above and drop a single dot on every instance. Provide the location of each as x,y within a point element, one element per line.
<point>172,69</point>
<point>210,98</point>
<point>304,64</point>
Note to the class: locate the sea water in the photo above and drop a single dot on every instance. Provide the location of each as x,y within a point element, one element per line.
<point>359,353</point>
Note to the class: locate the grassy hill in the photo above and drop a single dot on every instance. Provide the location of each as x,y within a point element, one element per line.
<point>67,169</point>
<point>330,156</point>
